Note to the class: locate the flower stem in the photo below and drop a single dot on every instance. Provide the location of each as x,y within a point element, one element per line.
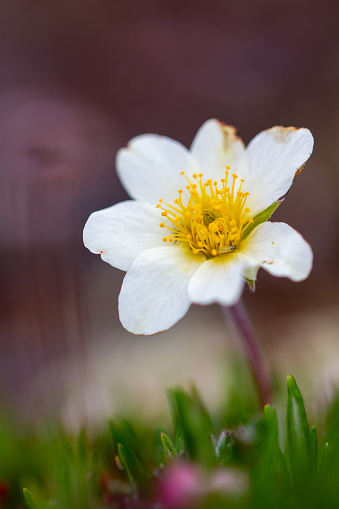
<point>254,352</point>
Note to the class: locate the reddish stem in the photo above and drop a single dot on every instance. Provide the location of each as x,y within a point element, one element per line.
<point>254,352</point>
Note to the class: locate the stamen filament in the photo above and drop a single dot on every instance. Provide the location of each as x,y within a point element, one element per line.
<point>213,220</point>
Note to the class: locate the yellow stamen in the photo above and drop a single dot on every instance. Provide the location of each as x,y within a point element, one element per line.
<point>213,220</point>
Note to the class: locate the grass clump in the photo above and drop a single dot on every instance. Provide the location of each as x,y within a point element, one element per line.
<point>200,461</point>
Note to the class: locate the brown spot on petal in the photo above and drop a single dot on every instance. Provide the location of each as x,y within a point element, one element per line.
<point>230,132</point>
<point>300,170</point>
<point>230,137</point>
<point>281,134</point>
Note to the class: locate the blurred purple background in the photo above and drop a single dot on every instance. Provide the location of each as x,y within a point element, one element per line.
<point>78,80</point>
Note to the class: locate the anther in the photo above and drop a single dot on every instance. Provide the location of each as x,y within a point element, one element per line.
<point>209,223</point>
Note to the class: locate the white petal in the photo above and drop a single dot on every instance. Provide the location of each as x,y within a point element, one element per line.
<point>150,166</point>
<point>216,146</point>
<point>270,163</point>
<point>218,280</point>
<point>120,233</point>
<point>154,295</point>
<point>280,250</point>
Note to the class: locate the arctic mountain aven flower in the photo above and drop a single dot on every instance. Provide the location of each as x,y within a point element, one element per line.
<point>197,225</point>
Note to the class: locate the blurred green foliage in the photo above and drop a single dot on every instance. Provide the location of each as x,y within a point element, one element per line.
<point>257,463</point>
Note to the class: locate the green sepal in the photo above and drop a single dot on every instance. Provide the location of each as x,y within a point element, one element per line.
<point>298,434</point>
<point>29,499</point>
<point>262,217</point>
<point>251,283</point>
<point>168,447</point>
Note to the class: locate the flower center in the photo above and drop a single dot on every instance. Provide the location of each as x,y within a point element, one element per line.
<point>213,220</point>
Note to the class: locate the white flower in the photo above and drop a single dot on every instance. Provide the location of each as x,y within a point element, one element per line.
<point>197,225</point>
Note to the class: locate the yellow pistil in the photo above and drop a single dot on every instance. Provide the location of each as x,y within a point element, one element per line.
<point>214,219</point>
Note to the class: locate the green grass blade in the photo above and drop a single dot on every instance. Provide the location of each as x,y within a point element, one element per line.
<point>314,450</point>
<point>29,499</point>
<point>168,447</point>
<point>122,455</point>
<point>324,459</point>
<point>195,426</point>
<point>298,434</point>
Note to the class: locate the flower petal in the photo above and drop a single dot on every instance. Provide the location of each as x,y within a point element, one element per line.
<point>280,250</point>
<point>149,167</point>
<point>218,280</point>
<point>154,295</point>
<point>270,163</point>
<point>120,233</point>
<point>216,146</point>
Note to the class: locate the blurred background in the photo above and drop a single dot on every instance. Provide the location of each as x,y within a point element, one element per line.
<point>78,80</point>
